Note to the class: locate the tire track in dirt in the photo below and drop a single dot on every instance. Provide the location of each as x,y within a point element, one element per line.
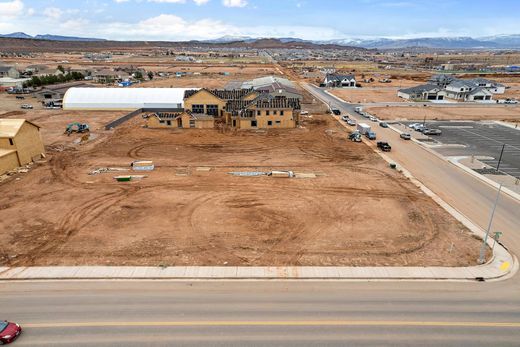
<point>76,219</point>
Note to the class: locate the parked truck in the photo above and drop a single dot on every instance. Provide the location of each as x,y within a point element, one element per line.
<point>358,109</point>
<point>363,128</point>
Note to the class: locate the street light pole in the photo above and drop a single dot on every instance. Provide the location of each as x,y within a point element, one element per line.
<point>481,259</point>
<point>500,158</point>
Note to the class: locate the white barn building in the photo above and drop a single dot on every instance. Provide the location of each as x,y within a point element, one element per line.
<point>127,99</point>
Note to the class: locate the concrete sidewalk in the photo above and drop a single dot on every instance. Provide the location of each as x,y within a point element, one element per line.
<point>502,266</point>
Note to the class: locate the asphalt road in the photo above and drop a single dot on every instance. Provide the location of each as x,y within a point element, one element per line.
<point>167,313</point>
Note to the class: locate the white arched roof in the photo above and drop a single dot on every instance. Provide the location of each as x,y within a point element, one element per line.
<point>123,98</point>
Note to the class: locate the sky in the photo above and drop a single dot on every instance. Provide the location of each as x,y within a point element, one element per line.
<point>181,20</point>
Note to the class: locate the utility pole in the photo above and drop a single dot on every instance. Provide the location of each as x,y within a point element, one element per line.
<point>482,258</point>
<point>500,158</point>
<point>424,121</point>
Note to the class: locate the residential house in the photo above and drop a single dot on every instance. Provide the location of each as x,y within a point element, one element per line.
<point>53,94</point>
<point>107,76</point>
<point>9,71</point>
<point>467,90</point>
<point>20,143</point>
<point>264,112</point>
<point>422,92</point>
<point>448,87</point>
<point>339,81</point>
<point>35,68</point>
<point>45,72</point>
<point>212,102</point>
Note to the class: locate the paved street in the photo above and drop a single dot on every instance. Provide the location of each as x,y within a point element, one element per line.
<point>157,313</point>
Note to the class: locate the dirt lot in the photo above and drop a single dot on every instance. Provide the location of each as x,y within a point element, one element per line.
<point>447,113</point>
<point>355,212</point>
<point>366,95</point>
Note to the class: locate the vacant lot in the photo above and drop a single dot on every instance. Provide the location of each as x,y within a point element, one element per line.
<point>447,113</point>
<point>355,212</point>
<point>367,95</point>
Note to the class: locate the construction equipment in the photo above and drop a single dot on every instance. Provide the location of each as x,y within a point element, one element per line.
<point>355,136</point>
<point>76,127</point>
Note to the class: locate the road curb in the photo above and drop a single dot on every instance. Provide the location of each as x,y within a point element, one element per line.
<point>488,272</point>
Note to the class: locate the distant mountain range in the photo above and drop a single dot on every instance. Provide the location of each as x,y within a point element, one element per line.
<point>489,42</point>
<point>463,42</point>
<point>20,35</point>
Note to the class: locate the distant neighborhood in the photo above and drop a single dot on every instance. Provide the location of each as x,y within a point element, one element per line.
<point>441,87</point>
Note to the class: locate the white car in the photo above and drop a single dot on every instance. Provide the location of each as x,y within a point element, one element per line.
<point>411,126</point>
<point>373,119</point>
<point>344,118</point>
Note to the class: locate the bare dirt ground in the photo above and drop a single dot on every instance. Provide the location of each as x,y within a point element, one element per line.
<point>367,95</point>
<point>447,113</point>
<point>187,82</point>
<point>355,212</point>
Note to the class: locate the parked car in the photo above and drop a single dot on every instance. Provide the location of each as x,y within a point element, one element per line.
<point>9,332</point>
<point>26,107</point>
<point>385,146</point>
<point>511,101</point>
<point>351,122</point>
<point>304,113</point>
<point>20,97</point>
<point>383,125</point>
<point>420,128</point>
<point>370,135</point>
<point>344,118</point>
<point>372,118</point>
<point>432,132</point>
<point>336,111</point>
<point>406,136</point>
<point>413,125</point>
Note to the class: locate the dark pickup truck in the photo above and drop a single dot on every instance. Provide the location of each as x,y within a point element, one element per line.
<point>385,147</point>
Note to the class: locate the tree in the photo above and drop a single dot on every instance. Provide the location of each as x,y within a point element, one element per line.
<point>138,75</point>
<point>60,67</point>
<point>150,75</point>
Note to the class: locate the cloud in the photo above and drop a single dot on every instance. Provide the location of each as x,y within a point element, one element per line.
<point>52,12</point>
<point>11,8</point>
<point>200,2</point>
<point>120,1</point>
<point>234,3</point>
<point>169,1</point>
